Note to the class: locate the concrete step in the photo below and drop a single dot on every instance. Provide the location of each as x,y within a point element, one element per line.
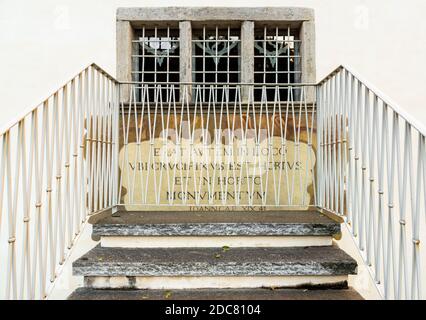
<point>214,229</point>
<point>213,267</point>
<point>215,294</point>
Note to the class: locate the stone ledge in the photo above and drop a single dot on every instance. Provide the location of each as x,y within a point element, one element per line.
<point>215,294</point>
<point>266,223</point>
<point>215,14</point>
<point>293,261</point>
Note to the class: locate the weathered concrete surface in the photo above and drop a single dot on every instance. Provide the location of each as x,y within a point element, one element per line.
<point>185,51</point>
<point>215,294</point>
<point>169,223</point>
<point>124,37</point>
<point>307,35</point>
<point>247,57</point>
<point>215,14</point>
<point>138,217</point>
<point>214,262</point>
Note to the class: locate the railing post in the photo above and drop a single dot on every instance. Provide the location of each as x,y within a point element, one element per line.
<point>319,148</point>
<point>116,144</point>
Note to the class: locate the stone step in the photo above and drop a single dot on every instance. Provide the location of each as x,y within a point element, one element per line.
<point>215,294</point>
<point>218,282</point>
<point>214,229</point>
<point>129,263</point>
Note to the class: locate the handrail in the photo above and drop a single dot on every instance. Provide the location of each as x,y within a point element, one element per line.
<point>390,102</point>
<point>372,170</point>
<point>57,166</point>
<point>28,111</point>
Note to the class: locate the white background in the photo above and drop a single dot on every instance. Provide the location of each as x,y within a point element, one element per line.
<point>44,43</point>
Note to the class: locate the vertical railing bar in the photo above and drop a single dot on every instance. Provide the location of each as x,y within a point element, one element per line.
<point>329,105</point>
<point>37,228</point>
<point>13,194</point>
<point>298,157</point>
<point>109,160</point>
<point>263,104</point>
<point>197,188</point>
<point>391,205</point>
<point>81,145</point>
<point>372,213</point>
<point>151,140</point>
<point>89,136</point>
<point>159,100</point>
<point>66,113</point>
<point>26,246</point>
<point>77,128</point>
<point>116,110</point>
<point>349,159</point>
<point>319,125</point>
<point>49,173</point>
<point>243,89</point>
<point>271,133</point>
<point>93,139</point>
<point>359,224</point>
<point>342,142</point>
<point>416,289</point>
<point>10,260</point>
<point>334,122</point>
<point>290,89</point>
<point>138,133</point>
<point>70,120</point>
<point>311,159</point>
<point>237,102</point>
<point>102,164</point>
<point>381,149</point>
<point>364,185</point>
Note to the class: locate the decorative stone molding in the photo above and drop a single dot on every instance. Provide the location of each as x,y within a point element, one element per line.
<point>185,18</point>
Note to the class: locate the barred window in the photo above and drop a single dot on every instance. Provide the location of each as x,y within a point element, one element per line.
<point>277,57</point>
<point>155,60</point>
<point>216,56</point>
<point>156,55</point>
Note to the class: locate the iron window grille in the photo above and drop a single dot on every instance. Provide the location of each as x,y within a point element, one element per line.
<point>277,59</point>
<point>155,60</point>
<point>216,58</point>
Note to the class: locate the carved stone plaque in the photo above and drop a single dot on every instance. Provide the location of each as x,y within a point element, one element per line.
<point>246,167</point>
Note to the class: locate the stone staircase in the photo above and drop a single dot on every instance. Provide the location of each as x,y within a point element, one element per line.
<point>267,255</point>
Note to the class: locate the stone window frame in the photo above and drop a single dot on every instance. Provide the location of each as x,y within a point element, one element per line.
<point>129,19</point>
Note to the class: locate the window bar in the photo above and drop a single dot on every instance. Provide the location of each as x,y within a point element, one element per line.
<point>264,53</point>
<point>229,53</point>
<point>216,61</point>
<point>168,61</point>
<point>204,62</point>
<point>288,58</point>
<point>142,77</point>
<point>155,54</point>
<point>276,53</point>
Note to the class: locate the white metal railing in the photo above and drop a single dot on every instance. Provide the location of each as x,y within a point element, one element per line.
<point>57,166</point>
<point>97,143</point>
<point>372,170</point>
<point>230,145</point>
